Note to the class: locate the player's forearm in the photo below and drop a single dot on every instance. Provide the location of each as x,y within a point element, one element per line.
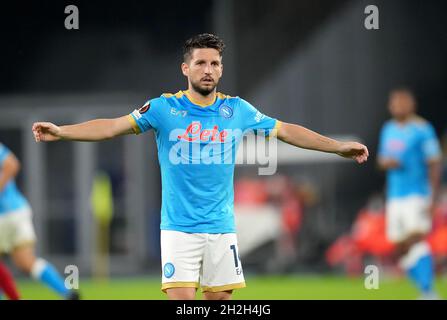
<point>387,164</point>
<point>94,130</point>
<point>382,164</point>
<point>307,139</point>
<point>435,178</point>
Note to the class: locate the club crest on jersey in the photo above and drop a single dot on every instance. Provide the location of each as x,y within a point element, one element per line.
<point>145,107</point>
<point>169,270</point>
<point>225,111</point>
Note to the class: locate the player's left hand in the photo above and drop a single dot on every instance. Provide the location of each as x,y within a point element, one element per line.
<point>353,150</point>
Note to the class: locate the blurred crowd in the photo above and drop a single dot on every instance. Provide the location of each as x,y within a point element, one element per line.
<point>287,200</point>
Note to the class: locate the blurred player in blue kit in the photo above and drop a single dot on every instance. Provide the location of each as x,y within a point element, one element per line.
<point>410,153</point>
<point>17,236</point>
<point>197,133</point>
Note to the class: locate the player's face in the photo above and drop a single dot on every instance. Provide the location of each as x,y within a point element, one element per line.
<point>401,105</point>
<point>204,69</point>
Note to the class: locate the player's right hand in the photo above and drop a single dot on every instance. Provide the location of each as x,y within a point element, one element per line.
<point>46,131</point>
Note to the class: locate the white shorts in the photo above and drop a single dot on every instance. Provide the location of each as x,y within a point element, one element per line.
<point>190,260</point>
<point>406,216</point>
<point>16,229</point>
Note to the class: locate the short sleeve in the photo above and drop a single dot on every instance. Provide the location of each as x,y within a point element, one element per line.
<point>430,143</point>
<point>4,152</point>
<point>257,121</point>
<point>144,118</point>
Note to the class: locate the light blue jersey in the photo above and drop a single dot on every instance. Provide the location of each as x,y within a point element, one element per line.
<point>196,150</point>
<point>11,199</point>
<point>412,144</point>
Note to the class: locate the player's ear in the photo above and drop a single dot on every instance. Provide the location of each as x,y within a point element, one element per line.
<point>185,69</point>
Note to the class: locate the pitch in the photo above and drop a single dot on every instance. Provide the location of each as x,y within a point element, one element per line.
<point>258,288</point>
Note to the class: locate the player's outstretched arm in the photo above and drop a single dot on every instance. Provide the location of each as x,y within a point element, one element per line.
<point>304,138</point>
<point>94,130</point>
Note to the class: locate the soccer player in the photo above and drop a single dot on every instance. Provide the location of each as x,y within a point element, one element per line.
<point>197,133</point>
<point>410,153</point>
<point>17,235</point>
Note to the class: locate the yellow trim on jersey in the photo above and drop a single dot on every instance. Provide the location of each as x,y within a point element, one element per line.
<point>181,93</point>
<point>222,96</point>
<point>278,125</point>
<point>226,287</point>
<point>178,95</point>
<point>134,125</point>
<point>418,119</point>
<point>178,284</point>
<point>188,95</point>
<point>274,131</point>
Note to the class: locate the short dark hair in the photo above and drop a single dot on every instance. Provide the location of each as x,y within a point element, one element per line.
<point>204,40</point>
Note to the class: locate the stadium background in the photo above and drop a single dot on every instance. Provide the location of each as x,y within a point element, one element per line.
<point>307,62</point>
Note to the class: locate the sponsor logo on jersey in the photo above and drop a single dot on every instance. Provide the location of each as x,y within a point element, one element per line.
<point>259,116</point>
<point>176,112</point>
<point>194,132</point>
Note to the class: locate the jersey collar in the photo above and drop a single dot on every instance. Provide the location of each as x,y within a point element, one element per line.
<point>194,102</point>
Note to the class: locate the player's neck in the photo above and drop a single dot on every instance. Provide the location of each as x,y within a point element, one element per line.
<point>199,99</point>
<point>405,120</point>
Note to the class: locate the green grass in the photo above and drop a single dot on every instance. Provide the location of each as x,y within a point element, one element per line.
<point>258,288</point>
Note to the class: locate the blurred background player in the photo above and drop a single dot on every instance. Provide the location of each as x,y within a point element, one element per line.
<point>17,236</point>
<point>409,151</point>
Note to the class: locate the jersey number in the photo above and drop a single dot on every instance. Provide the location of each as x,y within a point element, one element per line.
<point>236,263</point>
